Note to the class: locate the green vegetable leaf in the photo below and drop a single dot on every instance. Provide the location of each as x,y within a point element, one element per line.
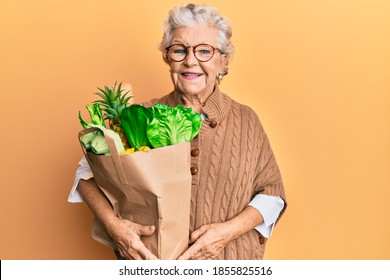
<point>99,145</point>
<point>96,142</point>
<point>172,125</point>
<point>135,120</point>
<point>83,123</point>
<point>95,114</point>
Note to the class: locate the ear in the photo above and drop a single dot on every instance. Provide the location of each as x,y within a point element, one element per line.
<point>224,61</point>
<point>165,57</point>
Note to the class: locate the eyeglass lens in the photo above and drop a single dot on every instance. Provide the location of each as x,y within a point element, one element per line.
<point>202,52</point>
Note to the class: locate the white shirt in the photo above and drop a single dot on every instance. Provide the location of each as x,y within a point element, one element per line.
<point>269,206</point>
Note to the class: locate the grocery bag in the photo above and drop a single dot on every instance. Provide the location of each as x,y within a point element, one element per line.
<point>148,188</point>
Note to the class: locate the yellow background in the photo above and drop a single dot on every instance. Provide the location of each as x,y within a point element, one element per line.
<point>316,72</point>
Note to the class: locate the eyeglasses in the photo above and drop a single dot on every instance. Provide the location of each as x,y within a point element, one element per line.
<point>202,52</point>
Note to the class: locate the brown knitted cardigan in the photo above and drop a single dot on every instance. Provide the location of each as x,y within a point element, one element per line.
<point>231,161</point>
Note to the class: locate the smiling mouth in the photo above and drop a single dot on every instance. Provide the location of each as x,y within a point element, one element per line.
<point>191,75</point>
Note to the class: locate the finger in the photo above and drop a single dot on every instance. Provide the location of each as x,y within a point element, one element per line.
<point>143,251</point>
<point>190,252</point>
<point>130,254</point>
<point>145,230</point>
<point>134,255</point>
<point>151,257</point>
<point>147,255</point>
<point>119,255</point>
<point>128,251</point>
<point>199,257</point>
<point>185,256</point>
<point>203,255</point>
<point>196,234</point>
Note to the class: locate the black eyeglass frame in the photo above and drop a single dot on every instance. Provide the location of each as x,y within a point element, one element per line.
<point>193,50</point>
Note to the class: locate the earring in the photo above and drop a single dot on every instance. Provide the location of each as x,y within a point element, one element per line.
<point>219,76</point>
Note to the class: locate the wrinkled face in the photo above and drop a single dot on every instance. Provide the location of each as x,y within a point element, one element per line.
<point>190,76</point>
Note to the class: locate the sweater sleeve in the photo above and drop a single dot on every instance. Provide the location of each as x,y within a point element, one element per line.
<point>268,180</point>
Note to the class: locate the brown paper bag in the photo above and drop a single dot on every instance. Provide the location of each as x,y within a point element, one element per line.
<point>149,188</point>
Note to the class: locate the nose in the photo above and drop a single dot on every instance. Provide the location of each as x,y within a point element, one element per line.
<point>190,58</point>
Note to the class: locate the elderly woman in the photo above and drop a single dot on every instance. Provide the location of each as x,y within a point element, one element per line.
<point>237,191</point>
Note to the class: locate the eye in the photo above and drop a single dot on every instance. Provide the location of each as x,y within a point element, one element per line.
<point>179,51</point>
<point>204,51</point>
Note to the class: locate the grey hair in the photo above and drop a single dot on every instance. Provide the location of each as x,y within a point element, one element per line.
<point>188,15</point>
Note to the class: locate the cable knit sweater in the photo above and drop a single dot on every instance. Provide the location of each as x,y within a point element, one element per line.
<point>231,162</point>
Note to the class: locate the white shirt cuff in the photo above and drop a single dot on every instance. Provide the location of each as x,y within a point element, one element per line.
<point>83,172</point>
<point>270,207</point>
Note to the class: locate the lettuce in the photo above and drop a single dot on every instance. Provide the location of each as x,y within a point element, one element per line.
<point>135,120</point>
<point>172,125</point>
<point>159,126</point>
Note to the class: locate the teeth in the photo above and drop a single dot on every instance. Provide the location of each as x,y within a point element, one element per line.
<point>191,75</point>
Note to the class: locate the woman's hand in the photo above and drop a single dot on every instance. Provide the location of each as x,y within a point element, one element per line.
<point>126,234</point>
<point>208,241</point>
<point>127,238</point>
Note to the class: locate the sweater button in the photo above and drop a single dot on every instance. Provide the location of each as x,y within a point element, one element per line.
<point>194,170</point>
<point>261,240</point>
<point>213,124</point>
<point>195,152</point>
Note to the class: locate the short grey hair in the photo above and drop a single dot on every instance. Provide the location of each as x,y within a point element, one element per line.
<point>190,14</point>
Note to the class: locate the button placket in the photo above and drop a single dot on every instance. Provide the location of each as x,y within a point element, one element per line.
<point>194,155</point>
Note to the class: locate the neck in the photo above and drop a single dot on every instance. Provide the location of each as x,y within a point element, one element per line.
<point>196,102</point>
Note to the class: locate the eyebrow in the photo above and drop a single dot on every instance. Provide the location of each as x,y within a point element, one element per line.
<point>184,44</point>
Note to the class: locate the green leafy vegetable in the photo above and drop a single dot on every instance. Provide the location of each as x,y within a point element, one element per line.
<point>135,120</point>
<point>96,116</point>
<point>95,113</point>
<point>99,145</point>
<point>87,139</point>
<point>172,125</point>
<point>96,142</point>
